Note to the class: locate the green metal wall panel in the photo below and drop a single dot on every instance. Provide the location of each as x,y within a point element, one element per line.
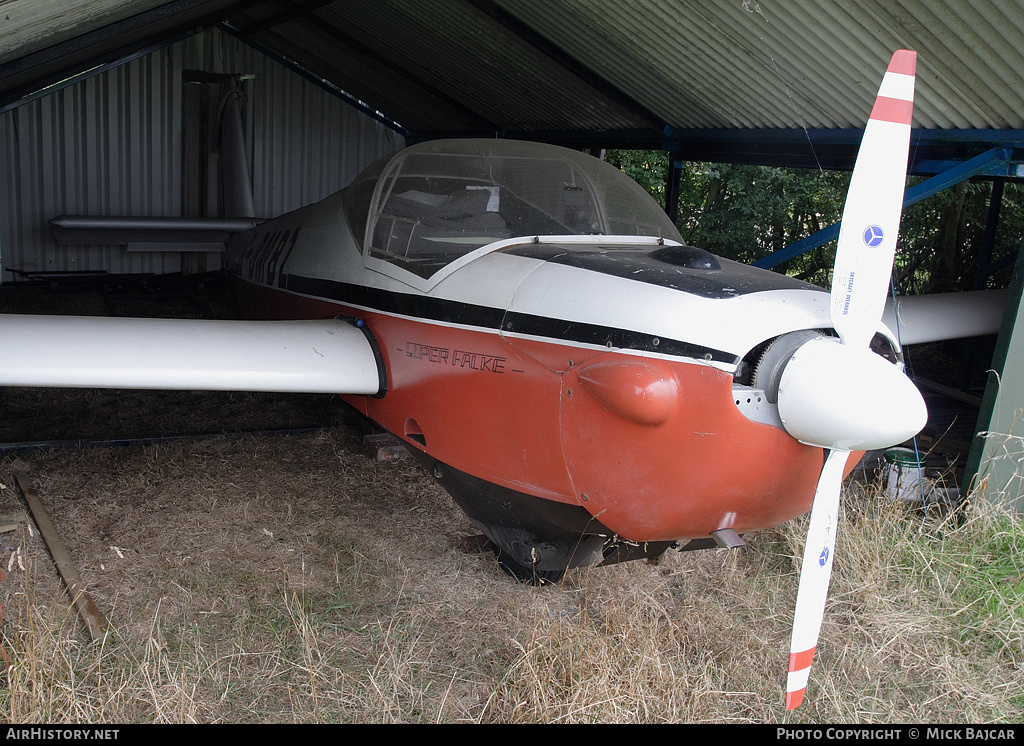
<point>996,461</point>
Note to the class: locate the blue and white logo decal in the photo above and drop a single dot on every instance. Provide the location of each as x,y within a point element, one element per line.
<point>823,557</point>
<point>873,236</point>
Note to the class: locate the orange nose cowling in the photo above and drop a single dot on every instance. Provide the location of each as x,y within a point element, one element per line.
<point>657,450</point>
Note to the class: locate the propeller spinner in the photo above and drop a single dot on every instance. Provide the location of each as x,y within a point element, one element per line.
<point>838,394</point>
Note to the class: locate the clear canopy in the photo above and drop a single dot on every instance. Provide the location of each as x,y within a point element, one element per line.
<point>429,204</point>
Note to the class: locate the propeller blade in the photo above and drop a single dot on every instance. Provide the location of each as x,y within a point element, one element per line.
<point>815,573</point>
<point>860,282</point>
<point>871,217</point>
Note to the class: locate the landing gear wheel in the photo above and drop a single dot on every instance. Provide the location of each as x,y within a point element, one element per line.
<point>524,574</point>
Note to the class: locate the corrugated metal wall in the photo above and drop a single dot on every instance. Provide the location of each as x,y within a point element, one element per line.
<point>112,145</point>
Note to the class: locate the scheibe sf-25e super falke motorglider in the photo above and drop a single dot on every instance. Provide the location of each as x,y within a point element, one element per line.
<point>580,381</point>
<point>587,387</point>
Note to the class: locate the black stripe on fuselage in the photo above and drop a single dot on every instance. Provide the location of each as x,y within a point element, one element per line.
<point>496,319</point>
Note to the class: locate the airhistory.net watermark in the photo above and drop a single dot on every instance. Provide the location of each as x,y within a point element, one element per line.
<point>61,734</point>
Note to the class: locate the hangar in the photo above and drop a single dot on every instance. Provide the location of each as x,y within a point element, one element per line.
<point>109,107</point>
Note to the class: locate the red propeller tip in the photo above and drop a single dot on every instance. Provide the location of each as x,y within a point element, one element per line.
<point>895,103</point>
<point>904,61</point>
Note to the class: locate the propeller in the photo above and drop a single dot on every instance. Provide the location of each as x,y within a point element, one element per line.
<point>836,393</point>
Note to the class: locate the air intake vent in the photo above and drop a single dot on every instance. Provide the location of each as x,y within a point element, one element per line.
<point>689,257</point>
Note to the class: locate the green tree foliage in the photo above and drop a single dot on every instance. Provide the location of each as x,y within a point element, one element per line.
<point>943,239</point>
<point>646,167</point>
<point>747,212</point>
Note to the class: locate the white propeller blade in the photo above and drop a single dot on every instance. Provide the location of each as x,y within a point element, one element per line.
<point>814,576</point>
<point>871,217</point>
<point>860,281</point>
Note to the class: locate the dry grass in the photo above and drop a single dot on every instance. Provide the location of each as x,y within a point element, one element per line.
<point>270,579</point>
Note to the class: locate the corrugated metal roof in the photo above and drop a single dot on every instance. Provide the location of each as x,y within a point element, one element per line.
<point>45,43</point>
<point>600,71</point>
<point>27,27</point>
<point>485,66</point>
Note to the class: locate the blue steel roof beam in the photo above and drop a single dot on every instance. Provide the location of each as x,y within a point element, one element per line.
<point>1012,168</point>
<point>932,151</point>
<point>980,164</point>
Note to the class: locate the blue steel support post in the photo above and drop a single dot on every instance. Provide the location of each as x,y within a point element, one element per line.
<point>673,175</point>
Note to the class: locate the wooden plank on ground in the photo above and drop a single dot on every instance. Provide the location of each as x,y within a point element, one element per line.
<point>90,614</point>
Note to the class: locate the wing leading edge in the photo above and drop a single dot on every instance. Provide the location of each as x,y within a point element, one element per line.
<point>323,356</point>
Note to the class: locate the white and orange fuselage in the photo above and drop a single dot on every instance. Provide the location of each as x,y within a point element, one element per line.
<point>606,373</point>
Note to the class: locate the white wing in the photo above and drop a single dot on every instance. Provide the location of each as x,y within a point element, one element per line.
<point>328,356</point>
